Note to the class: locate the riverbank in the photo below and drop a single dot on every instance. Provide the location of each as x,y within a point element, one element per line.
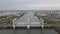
<point>9,20</point>
<point>52,21</point>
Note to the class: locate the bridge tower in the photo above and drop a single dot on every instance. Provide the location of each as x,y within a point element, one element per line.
<point>42,23</point>
<point>14,23</point>
<point>28,26</point>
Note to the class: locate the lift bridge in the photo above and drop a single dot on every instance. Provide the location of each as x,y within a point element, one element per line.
<point>28,24</point>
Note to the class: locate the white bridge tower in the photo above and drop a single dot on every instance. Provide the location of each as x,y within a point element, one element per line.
<point>14,23</point>
<point>28,26</point>
<point>42,23</point>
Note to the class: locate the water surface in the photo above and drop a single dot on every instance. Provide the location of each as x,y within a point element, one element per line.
<point>26,31</point>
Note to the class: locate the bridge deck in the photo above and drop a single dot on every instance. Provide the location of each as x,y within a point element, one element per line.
<point>31,25</point>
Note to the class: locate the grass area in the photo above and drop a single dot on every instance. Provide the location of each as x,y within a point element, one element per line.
<point>7,20</point>
<point>49,20</point>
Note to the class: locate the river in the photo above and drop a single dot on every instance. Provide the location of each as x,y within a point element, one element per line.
<point>30,31</point>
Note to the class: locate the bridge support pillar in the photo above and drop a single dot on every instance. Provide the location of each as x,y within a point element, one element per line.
<point>42,24</point>
<point>13,26</point>
<point>14,23</point>
<point>28,26</point>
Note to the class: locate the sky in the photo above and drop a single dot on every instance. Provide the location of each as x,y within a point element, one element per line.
<point>29,4</point>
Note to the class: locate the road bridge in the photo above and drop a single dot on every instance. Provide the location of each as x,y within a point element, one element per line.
<point>28,20</point>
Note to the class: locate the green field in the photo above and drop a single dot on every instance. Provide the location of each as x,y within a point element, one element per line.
<point>8,20</point>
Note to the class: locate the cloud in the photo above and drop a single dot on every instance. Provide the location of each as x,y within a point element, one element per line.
<point>44,5</point>
<point>29,4</point>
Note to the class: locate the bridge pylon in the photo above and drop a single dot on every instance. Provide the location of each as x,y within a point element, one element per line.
<point>28,26</point>
<point>42,23</point>
<point>14,23</point>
